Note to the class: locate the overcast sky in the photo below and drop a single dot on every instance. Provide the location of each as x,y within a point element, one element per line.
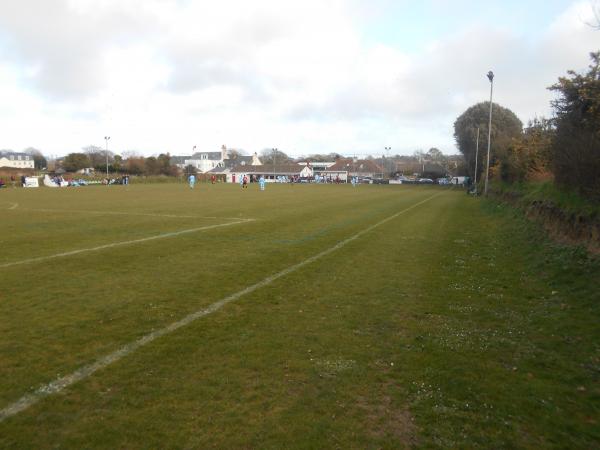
<point>308,76</point>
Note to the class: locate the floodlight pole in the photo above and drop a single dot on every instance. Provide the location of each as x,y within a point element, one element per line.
<point>387,150</point>
<point>274,157</point>
<point>106,138</point>
<point>476,159</point>
<point>490,76</point>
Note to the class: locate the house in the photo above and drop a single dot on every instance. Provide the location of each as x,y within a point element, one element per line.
<point>224,168</point>
<point>318,166</point>
<point>213,162</point>
<point>205,161</point>
<point>271,172</point>
<point>201,161</point>
<point>16,160</point>
<point>328,171</point>
<point>350,167</point>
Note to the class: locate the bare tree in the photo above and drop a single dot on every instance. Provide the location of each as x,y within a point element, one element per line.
<point>97,156</point>
<point>271,155</point>
<point>40,162</point>
<point>131,154</point>
<point>234,154</point>
<point>595,23</point>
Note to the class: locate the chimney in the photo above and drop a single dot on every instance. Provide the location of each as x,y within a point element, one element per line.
<point>223,152</point>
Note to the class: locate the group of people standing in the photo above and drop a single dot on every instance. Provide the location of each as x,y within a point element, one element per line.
<point>244,180</point>
<point>13,181</point>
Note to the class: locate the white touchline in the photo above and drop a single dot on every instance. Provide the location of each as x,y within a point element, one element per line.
<point>117,244</point>
<point>14,206</point>
<point>61,383</point>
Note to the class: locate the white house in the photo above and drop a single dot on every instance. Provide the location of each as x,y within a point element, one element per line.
<point>205,161</point>
<point>201,161</point>
<point>228,165</point>
<point>16,160</point>
<point>214,162</point>
<point>271,171</point>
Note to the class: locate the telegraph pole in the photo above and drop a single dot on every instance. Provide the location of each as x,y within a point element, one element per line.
<point>490,76</point>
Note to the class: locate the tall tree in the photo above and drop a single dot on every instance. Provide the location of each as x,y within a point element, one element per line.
<point>506,126</point>
<point>233,153</point>
<point>273,155</point>
<point>117,164</point>
<point>151,166</point>
<point>134,165</point>
<point>97,156</point>
<point>316,157</point>
<point>575,150</point>
<point>528,156</point>
<point>39,160</point>
<point>164,164</point>
<point>435,155</point>
<point>76,161</point>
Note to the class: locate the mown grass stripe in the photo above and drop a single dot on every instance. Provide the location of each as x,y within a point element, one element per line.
<point>60,384</point>
<point>118,244</point>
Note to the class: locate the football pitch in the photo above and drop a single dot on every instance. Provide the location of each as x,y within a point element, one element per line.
<point>304,316</point>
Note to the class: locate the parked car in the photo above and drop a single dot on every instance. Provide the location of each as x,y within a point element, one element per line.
<point>425,180</point>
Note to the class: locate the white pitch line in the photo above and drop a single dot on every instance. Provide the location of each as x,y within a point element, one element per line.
<point>119,213</point>
<point>61,383</point>
<point>118,244</point>
<point>14,206</point>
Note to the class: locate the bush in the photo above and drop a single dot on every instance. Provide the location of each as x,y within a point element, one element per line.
<point>527,158</point>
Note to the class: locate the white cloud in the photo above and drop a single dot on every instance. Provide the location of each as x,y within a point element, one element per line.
<point>163,75</point>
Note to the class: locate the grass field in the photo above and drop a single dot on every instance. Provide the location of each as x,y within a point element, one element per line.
<point>326,317</point>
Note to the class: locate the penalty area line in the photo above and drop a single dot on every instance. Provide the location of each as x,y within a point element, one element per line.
<point>122,243</point>
<point>62,383</point>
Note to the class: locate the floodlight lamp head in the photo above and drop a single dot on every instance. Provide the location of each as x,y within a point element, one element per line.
<point>490,76</point>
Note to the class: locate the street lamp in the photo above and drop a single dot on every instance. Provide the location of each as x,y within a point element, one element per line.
<point>490,76</point>
<point>106,138</point>
<point>387,151</point>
